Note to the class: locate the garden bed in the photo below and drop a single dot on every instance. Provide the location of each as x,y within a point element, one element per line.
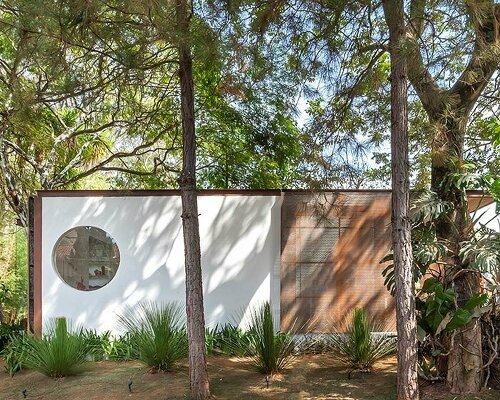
<point>310,377</point>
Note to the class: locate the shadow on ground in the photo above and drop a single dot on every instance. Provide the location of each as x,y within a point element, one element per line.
<point>309,377</point>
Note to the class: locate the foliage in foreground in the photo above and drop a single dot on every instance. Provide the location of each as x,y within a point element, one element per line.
<point>14,353</point>
<point>13,273</point>
<point>7,332</point>
<point>157,334</point>
<point>357,346</point>
<point>271,352</point>
<point>441,309</point>
<point>104,346</point>
<point>58,354</point>
<point>228,339</point>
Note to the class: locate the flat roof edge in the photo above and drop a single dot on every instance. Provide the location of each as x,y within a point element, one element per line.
<point>212,192</point>
<point>201,192</point>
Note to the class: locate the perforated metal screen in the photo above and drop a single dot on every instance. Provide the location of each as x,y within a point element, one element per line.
<point>332,244</point>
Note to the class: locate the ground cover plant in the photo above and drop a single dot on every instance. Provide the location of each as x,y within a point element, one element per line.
<point>228,339</point>
<point>157,333</point>
<point>13,353</point>
<point>6,333</point>
<point>105,346</point>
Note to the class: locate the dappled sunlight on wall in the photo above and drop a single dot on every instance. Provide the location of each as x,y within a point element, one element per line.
<point>331,248</point>
<point>240,255</point>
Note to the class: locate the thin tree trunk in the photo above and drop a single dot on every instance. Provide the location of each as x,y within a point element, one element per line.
<point>407,378</point>
<point>198,375</point>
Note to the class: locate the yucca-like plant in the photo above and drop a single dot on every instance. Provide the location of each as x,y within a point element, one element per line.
<point>157,332</point>
<point>272,352</point>
<point>59,353</point>
<point>356,346</point>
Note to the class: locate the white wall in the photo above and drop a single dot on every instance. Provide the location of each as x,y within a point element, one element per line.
<point>488,217</point>
<point>240,240</point>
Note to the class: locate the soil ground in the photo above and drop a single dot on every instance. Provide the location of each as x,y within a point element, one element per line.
<point>309,377</point>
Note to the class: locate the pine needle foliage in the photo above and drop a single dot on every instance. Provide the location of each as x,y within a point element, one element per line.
<point>58,354</point>
<point>356,346</point>
<point>157,332</point>
<point>272,352</point>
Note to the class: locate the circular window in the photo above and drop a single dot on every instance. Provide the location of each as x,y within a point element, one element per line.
<point>86,258</point>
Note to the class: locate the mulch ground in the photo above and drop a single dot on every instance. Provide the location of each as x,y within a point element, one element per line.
<point>309,377</point>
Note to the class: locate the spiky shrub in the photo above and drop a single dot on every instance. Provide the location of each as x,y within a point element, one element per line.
<point>356,346</point>
<point>58,354</point>
<point>272,352</point>
<point>157,333</point>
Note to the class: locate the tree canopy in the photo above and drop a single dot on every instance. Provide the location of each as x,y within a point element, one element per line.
<point>287,94</point>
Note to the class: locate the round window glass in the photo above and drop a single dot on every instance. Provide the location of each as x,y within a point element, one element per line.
<point>86,258</point>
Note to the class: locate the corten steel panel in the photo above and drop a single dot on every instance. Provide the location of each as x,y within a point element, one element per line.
<point>31,265</point>
<point>37,270</point>
<point>332,245</point>
<point>478,200</point>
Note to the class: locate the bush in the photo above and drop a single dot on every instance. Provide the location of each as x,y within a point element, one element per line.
<point>7,332</point>
<point>272,352</point>
<point>106,347</point>
<point>212,337</point>
<point>14,353</point>
<point>157,333</point>
<point>228,339</point>
<point>235,342</point>
<point>13,275</point>
<point>121,348</point>
<point>356,346</point>
<point>95,344</point>
<point>58,354</point>
<point>313,343</point>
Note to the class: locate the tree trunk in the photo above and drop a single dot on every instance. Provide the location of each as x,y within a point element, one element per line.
<point>407,378</point>
<point>464,362</point>
<point>448,110</point>
<point>465,358</point>
<point>198,375</point>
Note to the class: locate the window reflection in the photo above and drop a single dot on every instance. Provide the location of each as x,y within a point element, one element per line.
<point>86,258</point>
